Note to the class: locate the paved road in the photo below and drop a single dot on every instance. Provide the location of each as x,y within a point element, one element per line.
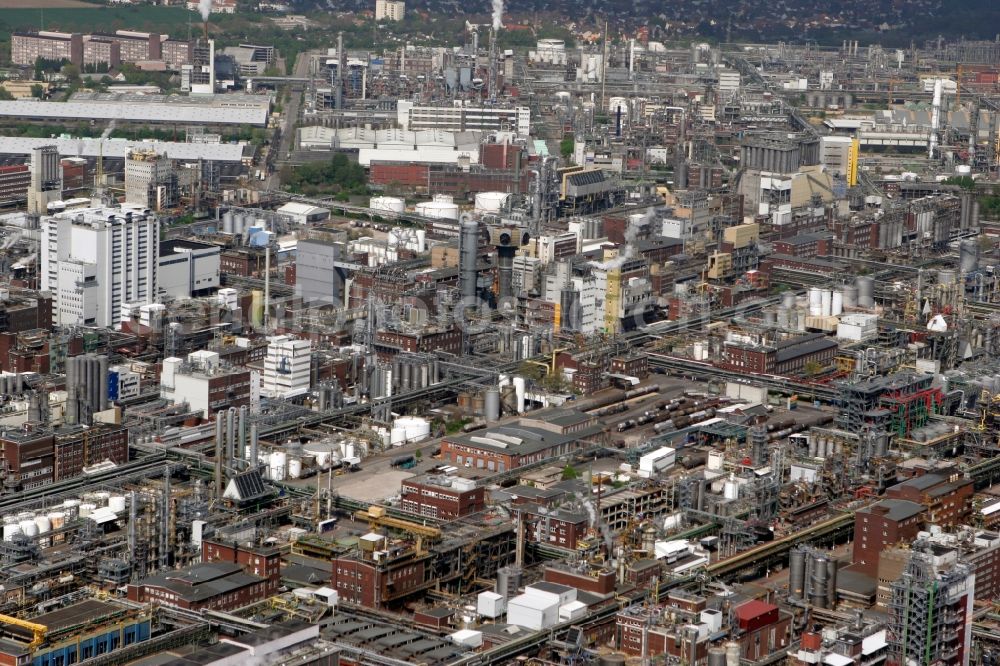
<point>289,118</point>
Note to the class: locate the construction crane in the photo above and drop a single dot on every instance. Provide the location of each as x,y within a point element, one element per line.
<point>38,630</point>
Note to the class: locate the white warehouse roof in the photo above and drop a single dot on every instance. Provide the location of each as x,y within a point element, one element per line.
<point>156,112</point>
<point>175,150</point>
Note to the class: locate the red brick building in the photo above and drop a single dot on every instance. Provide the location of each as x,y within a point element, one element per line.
<point>378,577</point>
<point>785,357</point>
<point>14,183</point>
<point>443,498</point>
<point>549,434</point>
<point>86,447</point>
<point>210,586</point>
<point>763,629</point>
<point>885,523</point>
<point>556,527</point>
<point>27,456</point>
<point>946,499</point>
<point>259,561</point>
<point>817,244</point>
<point>388,343</point>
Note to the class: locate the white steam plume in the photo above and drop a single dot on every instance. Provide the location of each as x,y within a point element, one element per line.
<point>205,7</point>
<point>631,236</point>
<point>497,14</point>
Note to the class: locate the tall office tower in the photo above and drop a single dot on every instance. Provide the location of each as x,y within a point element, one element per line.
<point>96,260</point>
<point>46,179</point>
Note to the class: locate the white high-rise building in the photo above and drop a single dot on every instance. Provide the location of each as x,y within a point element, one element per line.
<point>287,367</point>
<point>95,260</point>
<point>389,10</point>
<point>150,180</point>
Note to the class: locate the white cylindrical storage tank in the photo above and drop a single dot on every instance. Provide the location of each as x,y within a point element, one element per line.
<point>731,490</point>
<point>10,530</point>
<point>491,202</point>
<point>29,528</point>
<point>409,429</point>
<point>57,519</point>
<point>732,653</point>
<point>348,449</point>
<point>837,303</point>
<point>826,302</point>
<point>387,204</point>
<point>276,463</point>
<point>815,302</point>
<point>321,451</point>
<point>101,497</point>
<point>439,210</point>
<point>71,508</point>
<point>227,222</point>
<point>87,508</point>
<point>788,299</point>
<point>117,503</point>
<point>294,468</point>
<point>520,388</point>
<point>422,240</point>
<point>43,523</point>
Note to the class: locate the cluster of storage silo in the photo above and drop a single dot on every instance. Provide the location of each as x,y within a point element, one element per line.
<point>414,372</point>
<point>821,446</point>
<point>11,384</point>
<point>812,577</point>
<point>100,506</point>
<point>237,223</point>
<point>825,302</point>
<point>329,396</point>
<point>86,388</point>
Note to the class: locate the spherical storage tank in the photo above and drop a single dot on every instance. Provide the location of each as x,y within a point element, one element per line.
<point>442,207</point>
<point>491,202</point>
<point>387,204</point>
<point>409,429</point>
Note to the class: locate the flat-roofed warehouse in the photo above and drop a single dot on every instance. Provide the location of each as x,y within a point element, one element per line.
<point>173,110</point>
<point>237,153</point>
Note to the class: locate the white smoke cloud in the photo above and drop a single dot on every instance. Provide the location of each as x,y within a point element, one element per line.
<point>205,7</point>
<point>497,14</point>
<point>631,235</point>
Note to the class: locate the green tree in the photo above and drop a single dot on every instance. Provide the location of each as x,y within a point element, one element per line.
<point>37,90</point>
<point>965,182</point>
<point>813,368</point>
<point>569,473</point>
<point>71,72</point>
<point>5,95</point>
<point>566,147</point>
